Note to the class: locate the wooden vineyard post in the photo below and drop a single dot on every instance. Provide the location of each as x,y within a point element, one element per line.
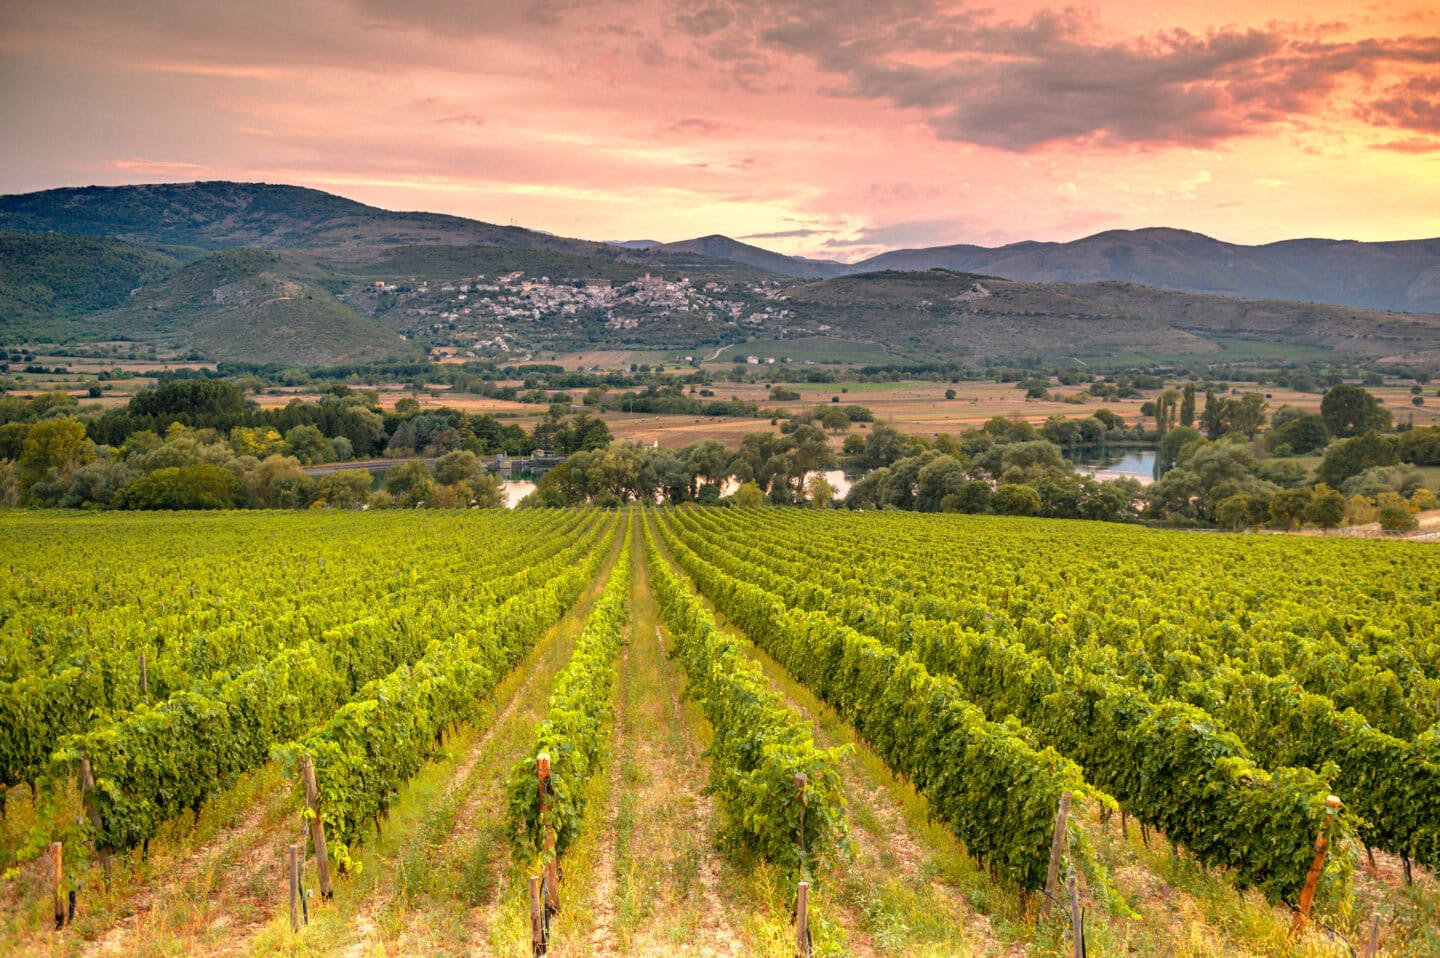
<point>1373,950</point>
<point>92,811</point>
<point>294,873</point>
<point>1312,877</point>
<point>801,780</point>
<point>57,861</point>
<point>552,870</point>
<point>1077,918</point>
<point>144,678</point>
<point>1057,851</point>
<point>317,827</point>
<point>537,919</point>
<point>802,920</point>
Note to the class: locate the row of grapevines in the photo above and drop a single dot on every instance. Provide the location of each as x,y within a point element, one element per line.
<point>997,792</point>
<point>1280,606</point>
<point>39,709</point>
<point>1165,762</point>
<point>1392,786</point>
<point>84,581</point>
<point>158,760</point>
<point>376,742</point>
<point>576,724</point>
<point>760,746</point>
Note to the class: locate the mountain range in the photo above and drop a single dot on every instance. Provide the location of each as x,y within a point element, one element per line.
<point>288,274</point>
<point>1402,275</point>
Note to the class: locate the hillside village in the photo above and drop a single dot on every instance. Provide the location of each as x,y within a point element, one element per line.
<point>501,315</point>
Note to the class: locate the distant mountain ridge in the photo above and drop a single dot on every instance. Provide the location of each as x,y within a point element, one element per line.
<point>187,219</point>
<point>293,275</point>
<point>723,247</point>
<point>217,215</point>
<point>1402,275</point>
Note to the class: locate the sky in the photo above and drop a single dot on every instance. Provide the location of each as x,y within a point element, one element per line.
<point>828,128</point>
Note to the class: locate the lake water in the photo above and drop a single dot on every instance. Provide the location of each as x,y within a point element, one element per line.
<point>515,490</point>
<point>1117,463</point>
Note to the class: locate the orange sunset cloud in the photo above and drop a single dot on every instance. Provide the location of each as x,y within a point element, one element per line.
<point>834,128</point>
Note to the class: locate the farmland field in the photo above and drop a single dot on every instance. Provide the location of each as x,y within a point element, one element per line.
<point>944,684</point>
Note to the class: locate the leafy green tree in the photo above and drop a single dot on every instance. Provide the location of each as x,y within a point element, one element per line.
<point>1218,462</point>
<point>1114,500</point>
<point>583,432</point>
<point>883,446</point>
<point>1352,411</point>
<point>1233,512</point>
<point>257,441</point>
<point>347,488</point>
<point>198,403</point>
<point>1171,445</point>
<point>1061,431</point>
<point>749,496</point>
<point>1113,423</point>
<point>1285,473</point>
<point>821,493</point>
<point>1395,514</point>
<point>1016,499</point>
<point>1297,436</point>
<point>53,447</point>
<point>278,482</point>
<point>308,444</point>
<point>1166,409</point>
<point>835,420</point>
<point>460,465</point>
<point>1175,495</point>
<point>668,473</point>
<point>941,477</point>
<point>1327,508</point>
<point>903,485</point>
<point>1381,479</point>
<point>1214,415</point>
<point>1350,457</point>
<point>1288,507</point>
<point>12,440</point>
<point>973,497</point>
<point>707,461</point>
<point>1027,460</point>
<point>1247,414</point>
<point>868,492</point>
<point>96,484</point>
<point>201,485</point>
<point>1285,414</point>
<point>1187,406</point>
<point>1420,446</point>
<point>410,484</point>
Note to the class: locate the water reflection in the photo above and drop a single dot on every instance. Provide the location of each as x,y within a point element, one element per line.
<point>515,490</point>
<point>1117,464</point>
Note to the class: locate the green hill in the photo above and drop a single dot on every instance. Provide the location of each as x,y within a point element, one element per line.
<point>249,305</point>
<point>44,278</point>
<point>938,312</point>
<point>224,215</point>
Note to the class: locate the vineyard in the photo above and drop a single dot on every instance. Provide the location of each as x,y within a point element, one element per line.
<point>712,732</point>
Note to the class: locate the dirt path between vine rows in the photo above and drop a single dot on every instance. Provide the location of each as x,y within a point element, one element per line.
<point>453,852</point>
<point>909,881</point>
<point>653,884</point>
